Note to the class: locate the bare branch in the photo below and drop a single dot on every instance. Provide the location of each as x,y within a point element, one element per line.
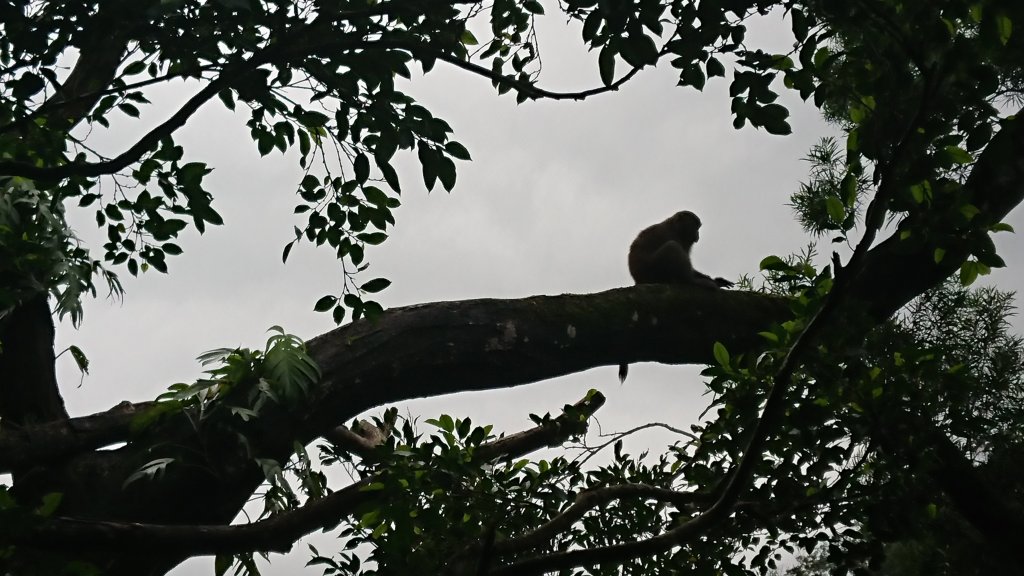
<point>528,89</point>
<point>589,500</point>
<point>592,451</point>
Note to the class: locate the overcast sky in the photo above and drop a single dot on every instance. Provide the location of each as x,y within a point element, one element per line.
<point>554,195</point>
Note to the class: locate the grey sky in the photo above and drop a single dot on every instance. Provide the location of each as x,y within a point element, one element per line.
<point>549,205</point>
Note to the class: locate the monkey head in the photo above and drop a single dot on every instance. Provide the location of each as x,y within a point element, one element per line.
<point>684,226</point>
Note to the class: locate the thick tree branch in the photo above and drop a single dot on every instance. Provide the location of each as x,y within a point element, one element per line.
<point>441,348</point>
<point>410,352</point>
<point>60,439</point>
<point>278,533</point>
<point>995,186</point>
<point>275,534</point>
<point>28,380</point>
<point>97,64</point>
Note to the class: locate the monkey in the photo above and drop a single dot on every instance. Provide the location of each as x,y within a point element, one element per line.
<point>661,255</point>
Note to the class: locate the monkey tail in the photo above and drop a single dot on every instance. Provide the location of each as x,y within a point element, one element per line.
<point>623,372</point>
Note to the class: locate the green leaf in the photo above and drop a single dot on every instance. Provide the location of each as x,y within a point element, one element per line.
<point>800,24</point>
<point>773,263</point>
<point>1001,227</point>
<point>338,314</point>
<point>976,11</point>
<point>940,253</point>
<point>129,109</point>
<point>969,211</point>
<point>591,25</point>
<point>606,64</point>
<point>456,150</point>
<point>375,196</point>
<point>445,423</point>
<point>228,98</point>
<point>848,187</point>
<point>310,182</point>
<point>361,165</point>
<point>640,50</point>
<point>150,470</point>
<point>917,192</point>
<point>191,174</point>
<point>721,355</point>
<point>264,143</point>
<point>693,76</point>
<point>428,161</point>
<point>957,155</point>
<point>390,176</point>
<point>80,358</point>
<point>27,86</point>
<point>446,173</point>
<point>715,68</point>
<point>325,303</point>
<point>375,285</point>
<point>821,56</point>
<point>835,208</point>
<point>49,505</point>
<point>1005,27</point>
<point>991,260</point>
<point>372,238</point>
<point>778,127</point>
<point>113,213</point>
<point>134,68</point>
<point>968,273</point>
<point>853,141</point>
<point>780,62</point>
<point>533,7</point>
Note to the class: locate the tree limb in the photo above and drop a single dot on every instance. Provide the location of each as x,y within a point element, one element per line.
<point>146,143</point>
<point>60,439</point>
<point>274,534</point>
<point>586,501</point>
<point>278,533</point>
